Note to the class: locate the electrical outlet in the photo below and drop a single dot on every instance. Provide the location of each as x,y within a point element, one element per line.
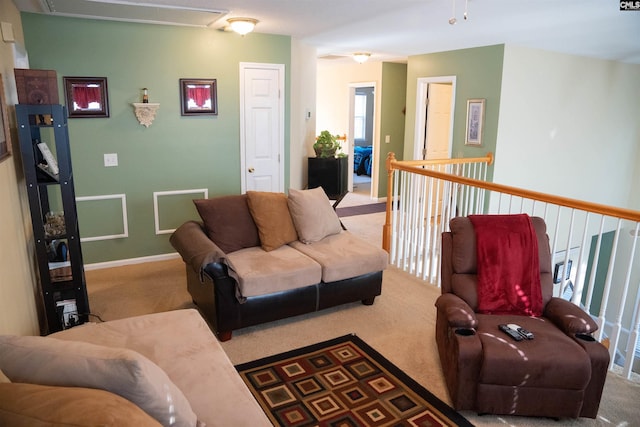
<point>110,160</point>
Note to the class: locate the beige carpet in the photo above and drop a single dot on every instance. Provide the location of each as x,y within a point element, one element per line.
<point>400,325</point>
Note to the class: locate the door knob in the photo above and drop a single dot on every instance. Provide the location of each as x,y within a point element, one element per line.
<point>251,170</point>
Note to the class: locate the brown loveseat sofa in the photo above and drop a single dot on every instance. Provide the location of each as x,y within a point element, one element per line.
<point>162,369</point>
<point>260,257</point>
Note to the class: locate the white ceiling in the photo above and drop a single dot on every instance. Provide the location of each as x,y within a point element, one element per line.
<point>395,29</point>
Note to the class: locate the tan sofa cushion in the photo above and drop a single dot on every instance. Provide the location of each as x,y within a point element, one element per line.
<point>270,212</point>
<point>343,256</point>
<point>50,361</point>
<point>182,344</point>
<point>228,222</point>
<point>35,405</point>
<point>262,273</point>
<point>312,214</point>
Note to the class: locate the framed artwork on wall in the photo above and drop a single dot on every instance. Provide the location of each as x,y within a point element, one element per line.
<point>86,96</point>
<point>475,122</point>
<point>5,135</point>
<point>199,97</point>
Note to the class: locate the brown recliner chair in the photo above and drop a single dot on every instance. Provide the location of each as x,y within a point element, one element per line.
<point>559,373</point>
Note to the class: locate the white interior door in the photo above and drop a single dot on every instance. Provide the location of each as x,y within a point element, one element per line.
<point>262,126</point>
<point>434,129</point>
<point>436,144</point>
<point>434,124</point>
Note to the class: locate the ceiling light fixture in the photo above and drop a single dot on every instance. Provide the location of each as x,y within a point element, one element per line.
<point>242,26</point>
<point>361,57</point>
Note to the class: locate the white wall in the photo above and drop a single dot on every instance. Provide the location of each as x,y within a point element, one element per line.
<point>303,100</point>
<point>333,92</point>
<point>569,126</point>
<point>334,83</point>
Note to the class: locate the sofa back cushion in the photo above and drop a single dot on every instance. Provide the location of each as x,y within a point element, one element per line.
<point>270,212</point>
<point>228,222</point>
<point>312,214</point>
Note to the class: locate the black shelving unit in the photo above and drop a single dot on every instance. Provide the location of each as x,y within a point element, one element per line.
<point>51,199</point>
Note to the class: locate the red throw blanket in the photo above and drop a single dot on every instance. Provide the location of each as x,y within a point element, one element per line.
<point>508,265</point>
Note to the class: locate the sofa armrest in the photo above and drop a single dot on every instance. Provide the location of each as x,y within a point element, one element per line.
<point>195,247</point>
<point>456,311</point>
<point>218,271</point>
<point>570,318</point>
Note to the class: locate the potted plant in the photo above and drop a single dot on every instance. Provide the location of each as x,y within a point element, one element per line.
<point>326,144</point>
<point>329,168</point>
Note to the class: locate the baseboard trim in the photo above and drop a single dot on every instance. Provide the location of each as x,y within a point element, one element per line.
<point>131,261</point>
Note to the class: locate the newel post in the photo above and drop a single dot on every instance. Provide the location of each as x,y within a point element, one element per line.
<point>386,229</point>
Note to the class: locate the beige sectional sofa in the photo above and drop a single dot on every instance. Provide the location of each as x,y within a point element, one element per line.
<point>158,369</point>
<point>260,257</point>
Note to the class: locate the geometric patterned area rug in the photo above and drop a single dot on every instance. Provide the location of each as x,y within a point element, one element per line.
<point>342,383</point>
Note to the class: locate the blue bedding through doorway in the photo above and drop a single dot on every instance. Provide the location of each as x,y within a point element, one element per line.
<point>362,160</point>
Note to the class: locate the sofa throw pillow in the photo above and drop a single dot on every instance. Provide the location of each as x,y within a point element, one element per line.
<point>312,214</point>
<point>36,405</point>
<point>271,214</point>
<point>228,222</point>
<point>55,362</point>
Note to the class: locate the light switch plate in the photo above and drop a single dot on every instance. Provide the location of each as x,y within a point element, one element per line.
<point>110,160</point>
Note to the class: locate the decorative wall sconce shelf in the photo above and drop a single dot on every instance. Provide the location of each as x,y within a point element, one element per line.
<point>145,112</point>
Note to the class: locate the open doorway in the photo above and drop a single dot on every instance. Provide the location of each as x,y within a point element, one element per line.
<point>434,118</point>
<point>362,124</point>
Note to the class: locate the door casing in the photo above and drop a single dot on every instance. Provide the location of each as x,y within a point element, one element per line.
<point>244,66</point>
<point>421,109</point>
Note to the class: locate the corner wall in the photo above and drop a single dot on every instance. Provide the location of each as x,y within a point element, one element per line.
<point>303,101</point>
<point>392,118</point>
<point>18,285</point>
<point>478,74</point>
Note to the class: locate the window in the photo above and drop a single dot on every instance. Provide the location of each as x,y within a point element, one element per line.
<point>360,116</point>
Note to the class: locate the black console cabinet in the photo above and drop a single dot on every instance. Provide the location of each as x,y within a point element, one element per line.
<point>44,146</point>
<point>330,174</point>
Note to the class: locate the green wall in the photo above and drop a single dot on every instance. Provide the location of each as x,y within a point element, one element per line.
<point>175,152</point>
<point>392,118</point>
<point>478,74</point>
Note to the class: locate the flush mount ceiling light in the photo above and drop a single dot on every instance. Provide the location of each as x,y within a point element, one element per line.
<point>361,57</point>
<point>242,26</point>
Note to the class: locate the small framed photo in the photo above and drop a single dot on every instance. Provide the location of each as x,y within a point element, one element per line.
<point>86,97</point>
<point>475,122</point>
<point>199,97</point>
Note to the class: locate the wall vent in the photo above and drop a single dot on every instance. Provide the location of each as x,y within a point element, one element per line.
<point>133,12</point>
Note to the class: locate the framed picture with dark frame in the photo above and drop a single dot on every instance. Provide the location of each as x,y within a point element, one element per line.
<point>559,271</point>
<point>5,135</point>
<point>198,97</point>
<point>86,97</point>
<point>475,122</point>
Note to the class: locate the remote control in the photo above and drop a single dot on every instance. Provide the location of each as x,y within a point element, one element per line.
<point>513,334</point>
<point>522,331</point>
